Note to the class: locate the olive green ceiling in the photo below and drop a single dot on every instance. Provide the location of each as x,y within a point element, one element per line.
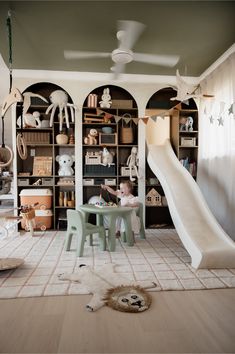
<point>199,31</point>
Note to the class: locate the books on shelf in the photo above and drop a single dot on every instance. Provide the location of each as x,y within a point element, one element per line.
<point>189,165</point>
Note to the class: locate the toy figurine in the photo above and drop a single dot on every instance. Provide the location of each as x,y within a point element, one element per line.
<point>132,163</point>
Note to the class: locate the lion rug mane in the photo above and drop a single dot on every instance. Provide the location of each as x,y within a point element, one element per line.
<point>111,289</point>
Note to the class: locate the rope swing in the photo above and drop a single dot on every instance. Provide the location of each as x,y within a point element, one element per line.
<point>14,96</point>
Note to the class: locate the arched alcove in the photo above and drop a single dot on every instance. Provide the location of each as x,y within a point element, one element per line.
<point>157,132</point>
<point>116,92</point>
<point>168,126</point>
<point>123,103</point>
<point>45,89</point>
<point>41,170</point>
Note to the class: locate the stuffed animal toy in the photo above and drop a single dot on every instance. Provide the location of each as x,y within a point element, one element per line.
<point>106,157</point>
<point>132,163</point>
<point>65,161</point>
<point>189,124</point>
<point>30,120</point>
<point>106,99</point>
<point>111,289</point>
<point>91,138</point>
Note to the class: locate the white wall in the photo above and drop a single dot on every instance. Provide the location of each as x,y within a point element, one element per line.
<point>79,85</point>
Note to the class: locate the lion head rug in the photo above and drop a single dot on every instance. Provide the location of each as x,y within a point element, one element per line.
<point>111,289</point>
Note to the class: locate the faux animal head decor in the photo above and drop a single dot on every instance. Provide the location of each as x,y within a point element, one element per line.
<point>128,299</point>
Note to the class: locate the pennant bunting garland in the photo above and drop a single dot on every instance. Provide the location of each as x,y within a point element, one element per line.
<point>154,118</point>
<point>126,119</point>
<point>145,120</point>
<point>211,107</point>
<point>135,120</point>
<point>117,118</point>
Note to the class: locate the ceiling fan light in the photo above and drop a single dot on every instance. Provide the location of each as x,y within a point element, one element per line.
<point>120,56</point>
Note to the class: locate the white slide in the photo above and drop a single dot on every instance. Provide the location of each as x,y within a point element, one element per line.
<point>205,240</point>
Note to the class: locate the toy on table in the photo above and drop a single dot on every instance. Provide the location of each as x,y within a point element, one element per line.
<point>111,289</point>
<point>91,138</point>
<point>133,162</point>
<point>102,203</point>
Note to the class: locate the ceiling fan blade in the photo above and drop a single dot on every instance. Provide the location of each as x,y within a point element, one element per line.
<point>76,54</point>
<point>117,69</point>
<point>163,60</point>
<point>129,33</point>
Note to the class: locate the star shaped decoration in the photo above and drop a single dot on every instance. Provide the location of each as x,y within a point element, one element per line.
<point>220,121</point>
<point>230,110</point>
<point>211,119</point>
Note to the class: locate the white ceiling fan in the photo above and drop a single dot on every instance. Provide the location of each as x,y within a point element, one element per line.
<point>127,35</point>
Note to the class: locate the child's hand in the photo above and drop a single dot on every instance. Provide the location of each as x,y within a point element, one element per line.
<point>103,186</point>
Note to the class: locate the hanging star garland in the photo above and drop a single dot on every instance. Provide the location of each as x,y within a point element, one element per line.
<point>230,110</point>
<point>162,114</point>
<point>220,121</point>
<point>211,119</point>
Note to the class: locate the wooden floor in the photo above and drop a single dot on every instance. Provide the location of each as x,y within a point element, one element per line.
<point>178,322</point>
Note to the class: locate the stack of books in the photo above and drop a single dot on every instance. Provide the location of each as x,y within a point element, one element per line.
<point>189,165</point>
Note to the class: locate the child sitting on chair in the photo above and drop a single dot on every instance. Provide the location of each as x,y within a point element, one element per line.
<point>127,199</point>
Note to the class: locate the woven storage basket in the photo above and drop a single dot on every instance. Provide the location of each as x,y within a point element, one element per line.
<point>127,136</point>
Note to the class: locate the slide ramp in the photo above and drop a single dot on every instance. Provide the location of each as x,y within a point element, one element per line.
<point>205,240</point>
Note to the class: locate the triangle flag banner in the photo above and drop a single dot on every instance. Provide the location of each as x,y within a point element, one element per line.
<point>145,120</point>
<point>126,119</point>
<point>154,118</point>
<point>117,118</point>
<point>99,111</point>
<point>135,120</point>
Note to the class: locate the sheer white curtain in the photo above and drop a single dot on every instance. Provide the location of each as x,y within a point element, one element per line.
<point>216,167</point>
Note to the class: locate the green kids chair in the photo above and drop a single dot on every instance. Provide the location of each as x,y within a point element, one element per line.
<point>77,226</point>
<point>139,213</point>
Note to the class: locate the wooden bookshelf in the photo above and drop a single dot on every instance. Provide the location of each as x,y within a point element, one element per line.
<point>121,151</point>
<point>50,149</point>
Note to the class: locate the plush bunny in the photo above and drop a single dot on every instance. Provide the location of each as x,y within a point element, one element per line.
<point>132,163</point>
<point>106,99</point>
<point>65,161</point>
<point>112,289</point>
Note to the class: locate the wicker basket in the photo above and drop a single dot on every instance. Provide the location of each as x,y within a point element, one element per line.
<point>127,136</point>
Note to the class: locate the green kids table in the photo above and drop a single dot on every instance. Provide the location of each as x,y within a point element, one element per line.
<point>113,213</point>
